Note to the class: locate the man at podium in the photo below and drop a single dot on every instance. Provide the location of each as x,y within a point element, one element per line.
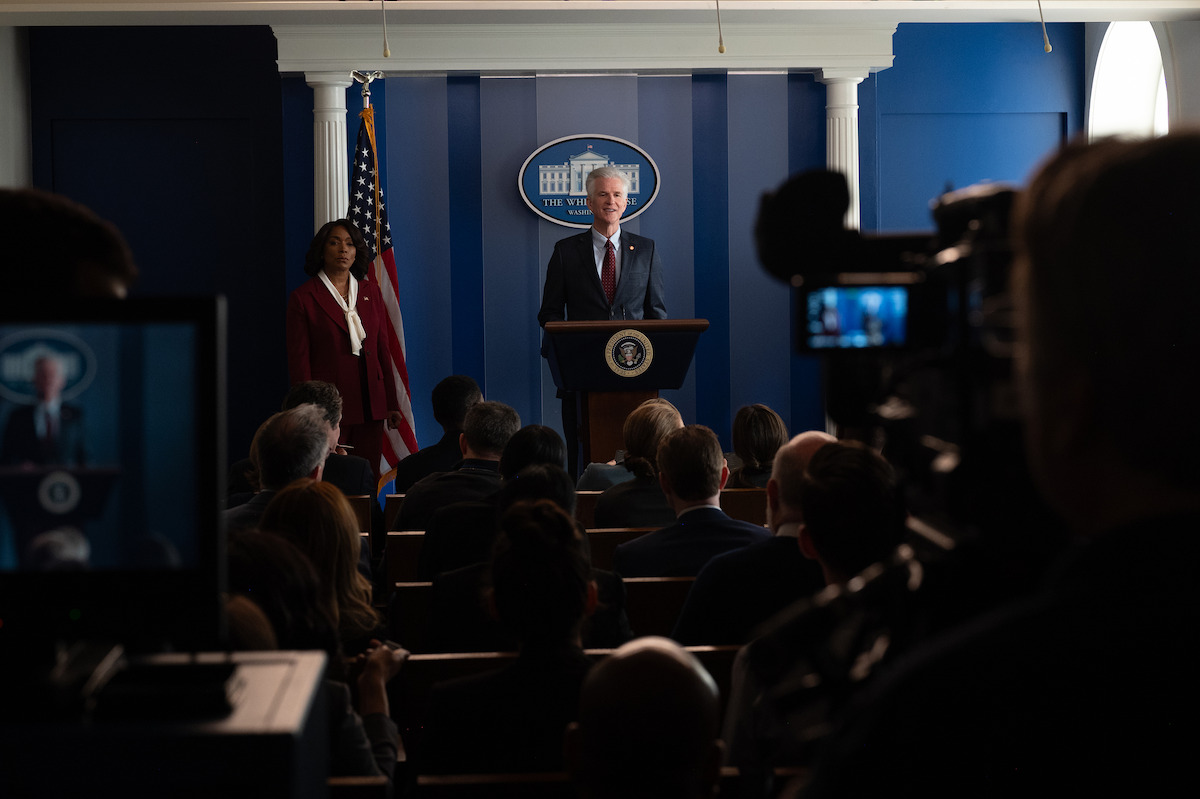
<point>602,273</point>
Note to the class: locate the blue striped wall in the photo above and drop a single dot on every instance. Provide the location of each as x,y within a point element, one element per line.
<point>961,103</point>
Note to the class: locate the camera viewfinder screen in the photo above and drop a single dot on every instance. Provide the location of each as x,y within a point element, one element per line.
<point>856,317</point>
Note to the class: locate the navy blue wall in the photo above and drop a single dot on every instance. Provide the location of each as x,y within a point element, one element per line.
<point>148,126</point>
<point>962,103</point>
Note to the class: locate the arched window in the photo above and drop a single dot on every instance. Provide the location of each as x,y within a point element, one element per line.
<point>1129,89</point>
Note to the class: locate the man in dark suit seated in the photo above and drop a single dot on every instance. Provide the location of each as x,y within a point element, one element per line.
<point>739,590</point>
<point>452,398</point>
<point>461,533</point>
<point>486,431</point>
<point>290,445</point>
<point>459,618</point>
<point>50,432</point>
<point>692,472</point>
<point>854,517</point>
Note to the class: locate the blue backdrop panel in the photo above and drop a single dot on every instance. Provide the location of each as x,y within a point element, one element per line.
<point>710,191</point>
<point>923,155</point>
<point>760,324</point>
<point>418,202</point>
<point>665,117</point>
<point>464,152</point>
<point>806,140</point>
<point>512,279</point>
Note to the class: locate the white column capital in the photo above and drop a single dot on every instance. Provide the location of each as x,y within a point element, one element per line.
<point>331,177</point>
<point>842,74</point>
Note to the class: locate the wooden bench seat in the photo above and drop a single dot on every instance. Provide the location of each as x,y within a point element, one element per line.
<point>652,605</point>
<point>410,690</point>
<point>403,549</point>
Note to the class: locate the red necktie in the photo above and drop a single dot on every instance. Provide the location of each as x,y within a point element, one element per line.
<point>608,274</point>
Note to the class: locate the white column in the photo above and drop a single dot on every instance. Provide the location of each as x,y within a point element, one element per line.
<point>331,175</point>
<point>841,130</point>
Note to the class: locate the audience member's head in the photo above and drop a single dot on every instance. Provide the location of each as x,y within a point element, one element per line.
<point>282,581</point>
<point>452,398</point>
<point>326,397</point>
<point>787,478</point>
<point>643,429</point>
<point>691,466</point>
<point>533,443</point>
<point>541,575</point>
<point>540,481</point>
<point>854,514</point>
<point>290,445</point>
<point>77,254</point>
<point>1105,278</point>
<point>486,430</point>
<point>318,519</point>
<point>648,725</point>
<point>758,433</point>
<point>61,549</point>
<point>249,628</point>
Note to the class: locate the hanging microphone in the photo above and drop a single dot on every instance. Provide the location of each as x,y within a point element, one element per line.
<point>387,52</point>
<point>1045,36</point>
<point>720,36</point>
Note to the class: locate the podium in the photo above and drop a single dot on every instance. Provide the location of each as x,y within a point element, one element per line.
<point>616,365</point>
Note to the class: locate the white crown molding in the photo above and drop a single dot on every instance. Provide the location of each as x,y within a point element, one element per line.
<point>564,48</point>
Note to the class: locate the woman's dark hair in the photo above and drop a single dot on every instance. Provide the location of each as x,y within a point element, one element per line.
<point>758,433</point>
<point>540,573</point>
<point>314,259</point>
<point>281,580</point>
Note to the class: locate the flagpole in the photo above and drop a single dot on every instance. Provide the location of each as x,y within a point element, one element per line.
<point>368,214</point>
<point>365,78</point>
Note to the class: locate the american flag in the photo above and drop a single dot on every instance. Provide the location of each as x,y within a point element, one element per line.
<point>369,215</point>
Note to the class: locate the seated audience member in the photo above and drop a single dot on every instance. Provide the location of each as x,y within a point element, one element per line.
<point>648,726</point>
<point>452,398</point>
<point>513,719</point>
<point>290,445</point>
<point>692,472</point>
<point>79,255</point>
<point>316,517</point>
<point>640,502</point>
<point>348,472</point>
<point>758,433</point>
<point>1087,687</point>
<point>486,431</point>
<point>459,618</point>
<point>599,476</point>
<point>853,517</point>
<point>461,533</point>
<point>278,578</point>
<point>739,590</point>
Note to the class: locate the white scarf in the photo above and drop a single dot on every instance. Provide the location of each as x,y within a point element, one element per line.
<point>353,322</point>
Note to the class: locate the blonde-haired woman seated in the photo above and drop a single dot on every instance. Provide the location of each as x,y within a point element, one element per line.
<point>318,519</point>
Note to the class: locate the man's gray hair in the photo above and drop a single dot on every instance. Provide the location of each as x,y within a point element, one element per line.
<point>290,445</point>
<point>607,172</point>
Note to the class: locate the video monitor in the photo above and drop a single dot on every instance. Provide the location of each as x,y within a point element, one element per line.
<point>112,418</point>
<point>856,317</point>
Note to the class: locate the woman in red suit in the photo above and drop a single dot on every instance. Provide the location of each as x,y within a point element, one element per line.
<point>337,332</point>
